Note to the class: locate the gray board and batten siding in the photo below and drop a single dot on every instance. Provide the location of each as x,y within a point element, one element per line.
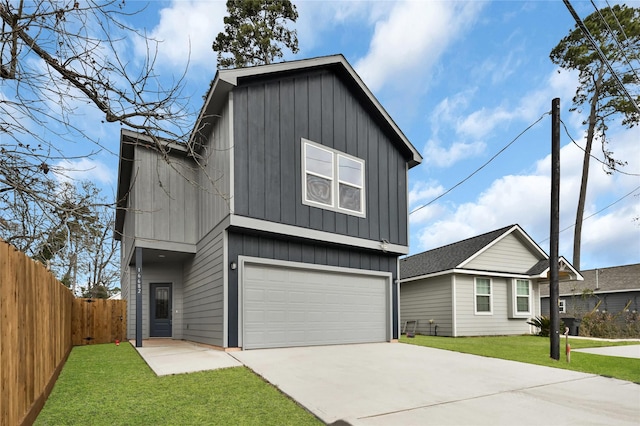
<point>157,208</point>
<point>273,115</point>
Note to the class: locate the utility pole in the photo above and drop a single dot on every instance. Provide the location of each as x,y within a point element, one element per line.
<point>554,332</point>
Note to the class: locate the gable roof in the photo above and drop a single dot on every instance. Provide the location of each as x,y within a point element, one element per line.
<point>226,79</point>
<point>447,257</point>
<point>456,255</point>
<point>601,280</point>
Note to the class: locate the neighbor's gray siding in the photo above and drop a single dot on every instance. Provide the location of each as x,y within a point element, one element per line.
<point>154,273</point>
<point>470,324</point>
<point>164,198</point>
<point>270,119</point>
<point>214,175</point>
<point>507,255</point>
<point>428,299</point>
<point>306,252</point>
<point>614,303</point>
<point>203,292</point>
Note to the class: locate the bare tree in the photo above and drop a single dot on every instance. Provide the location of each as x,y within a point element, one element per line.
<point>62,62</point>
<point>61,58</point>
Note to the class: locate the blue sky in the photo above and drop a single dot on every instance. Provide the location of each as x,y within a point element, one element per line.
<point>462,80</point>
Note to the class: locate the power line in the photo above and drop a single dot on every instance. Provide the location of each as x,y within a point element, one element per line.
<point>615,39</point>
<point>618,22</point>
<point>589,37</point>
<point>593,156</point>
<point>481,167</point>
<point>599,211</point>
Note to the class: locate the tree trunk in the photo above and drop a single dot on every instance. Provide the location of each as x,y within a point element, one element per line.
<point>577,233</point>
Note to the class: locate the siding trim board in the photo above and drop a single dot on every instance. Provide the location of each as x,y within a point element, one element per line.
<point>471,272</point>
<point>313,234</point>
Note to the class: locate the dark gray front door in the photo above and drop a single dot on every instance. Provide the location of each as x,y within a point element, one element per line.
<point>160,310</point>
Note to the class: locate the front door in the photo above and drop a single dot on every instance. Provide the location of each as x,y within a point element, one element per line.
<point>160,310</point>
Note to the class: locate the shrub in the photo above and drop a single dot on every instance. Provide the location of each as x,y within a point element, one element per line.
<point>607,325</point>
<point>543,323</point>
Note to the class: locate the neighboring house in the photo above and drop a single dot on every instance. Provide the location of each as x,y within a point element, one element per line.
<point>614,289</point>
<point>279,224</point>
<point>485,285</point>
<point>116,296</point>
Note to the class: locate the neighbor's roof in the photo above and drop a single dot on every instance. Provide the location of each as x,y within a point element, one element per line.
<point>601,280</point>
<point>447,257</point>
<point>454,256</point>
<point>226,79</point>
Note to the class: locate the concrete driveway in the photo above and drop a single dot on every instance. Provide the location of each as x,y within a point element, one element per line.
<point>400,384</point>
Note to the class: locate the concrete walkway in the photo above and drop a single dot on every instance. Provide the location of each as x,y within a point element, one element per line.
<point>630,351</point>
<point>166,356</point>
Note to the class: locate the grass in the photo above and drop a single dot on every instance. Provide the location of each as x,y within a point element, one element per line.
<point>535,350</point>
<point>112,385</point>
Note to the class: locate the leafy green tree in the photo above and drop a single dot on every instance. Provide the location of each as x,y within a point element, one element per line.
<point>255,32</point>
<point>616,31</point>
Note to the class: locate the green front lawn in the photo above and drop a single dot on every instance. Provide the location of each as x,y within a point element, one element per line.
<point>535,350</point>
<point>112,385</point>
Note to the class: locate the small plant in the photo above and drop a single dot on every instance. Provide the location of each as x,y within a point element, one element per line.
<point>543,323</point>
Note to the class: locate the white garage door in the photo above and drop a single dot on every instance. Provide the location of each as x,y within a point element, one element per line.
<point>285,306</point>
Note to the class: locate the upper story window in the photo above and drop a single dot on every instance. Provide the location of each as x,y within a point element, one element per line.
<point>483,296</point>
<point>332,180</point>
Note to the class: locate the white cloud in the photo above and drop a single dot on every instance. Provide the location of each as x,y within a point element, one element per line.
<point>186,31</point>
<point>424,191</point>
<point>84,169</point>
<point>525,199</point>
<point>411,39</point>
<point>436,155</point>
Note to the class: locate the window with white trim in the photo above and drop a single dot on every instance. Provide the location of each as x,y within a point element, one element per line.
<point>483,302</point>
<point>562,306</point>
<point>523,297</point>
<point>332,180</point>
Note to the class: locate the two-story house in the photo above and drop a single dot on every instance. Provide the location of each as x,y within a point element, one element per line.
<point>279,224</point>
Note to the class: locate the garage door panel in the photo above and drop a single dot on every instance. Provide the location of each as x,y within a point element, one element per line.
<point>285,306</point>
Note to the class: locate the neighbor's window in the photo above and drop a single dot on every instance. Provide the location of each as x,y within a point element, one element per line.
<point>483,296</point>
<point>562,306</point>
<point>523,296</point>
<point>333,180</point>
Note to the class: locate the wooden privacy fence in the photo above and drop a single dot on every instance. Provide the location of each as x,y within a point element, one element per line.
<point>40,321</point>
<point>98,321</point>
